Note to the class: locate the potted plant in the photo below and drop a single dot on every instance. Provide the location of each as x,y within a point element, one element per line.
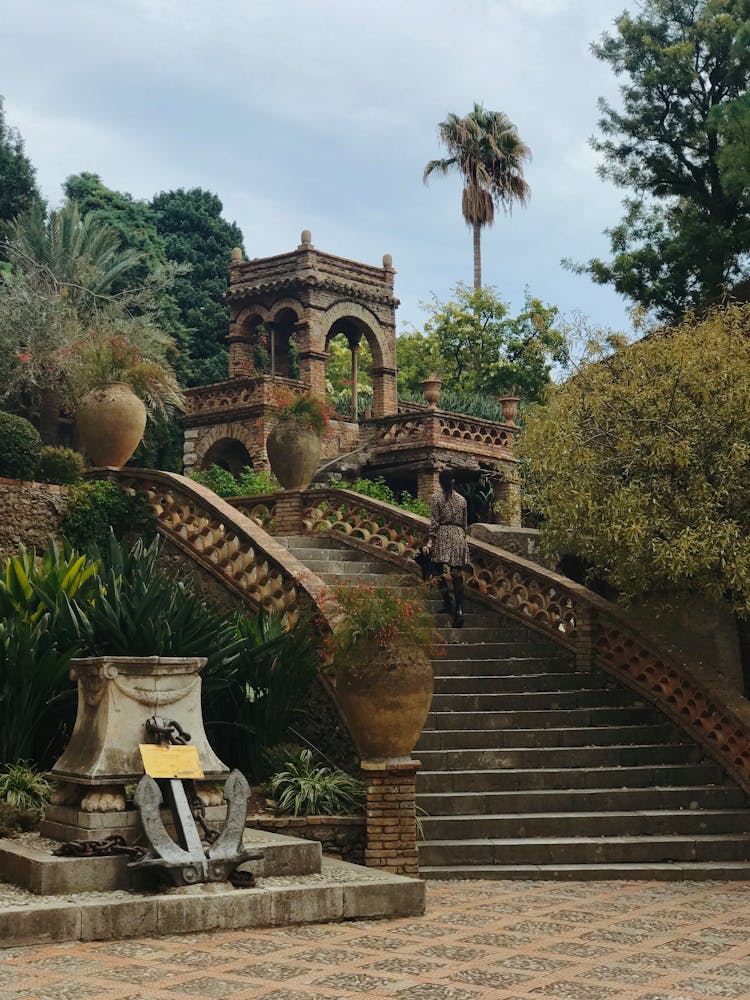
<point>115,384</point>
<point>293,446</point>
<point>381,651</point>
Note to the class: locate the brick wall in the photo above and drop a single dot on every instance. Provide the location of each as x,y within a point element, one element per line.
<point>391,817</point>
<point>340,836</point>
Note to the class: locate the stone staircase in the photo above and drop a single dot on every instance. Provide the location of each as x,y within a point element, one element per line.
<point>533,770</point>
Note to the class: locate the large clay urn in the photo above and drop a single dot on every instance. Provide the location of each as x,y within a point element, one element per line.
<point>386,699</point>
<point>293,452</point>
<point>111,420</point>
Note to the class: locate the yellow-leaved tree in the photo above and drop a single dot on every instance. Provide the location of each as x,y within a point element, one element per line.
<point>640,464</point>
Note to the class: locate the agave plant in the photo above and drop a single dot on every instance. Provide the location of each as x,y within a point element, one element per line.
<point>252,696</point>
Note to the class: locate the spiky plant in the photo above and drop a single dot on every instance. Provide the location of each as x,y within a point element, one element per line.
<point>305,788</point>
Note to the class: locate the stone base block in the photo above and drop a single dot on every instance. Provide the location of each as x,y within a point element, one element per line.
<point>66,823</point>
<point>34,868</point>
<point>341,892</point>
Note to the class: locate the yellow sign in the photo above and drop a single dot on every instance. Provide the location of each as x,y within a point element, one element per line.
<point>171,762</point>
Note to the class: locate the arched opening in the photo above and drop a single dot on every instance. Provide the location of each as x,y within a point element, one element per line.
<point>283,344</point>
<point>349,381</point>
<point>229,454</point>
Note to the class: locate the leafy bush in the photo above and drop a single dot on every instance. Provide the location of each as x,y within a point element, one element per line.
<point>378,489</point>
<point>59,465</point>
<point>224,484</point>
<point>251,699</point>
<point>138,611</point>
<point>20,447</point>
<point>98,509</point>
<point>305,788</point>
<point>275,758</point>
<point>24,787</point>
<point>374,617</point>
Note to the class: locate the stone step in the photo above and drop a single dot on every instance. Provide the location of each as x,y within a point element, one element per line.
<point>552,758</point>
<point>536,701</point>
<point>347,570</point>
<point>585,851</point>
<point>628,823</point>
<point>518,683</point>
<point>687,871</point>
<point>376,579</point>
<point>516,660</point>
<point>489,739</point>
<point>644,775</point>
<point>342,555</point>
<point>542,719</point>
<point>583,800</point>
<point>470,652</point>
<point>314,542</point>
<point>483,636</point>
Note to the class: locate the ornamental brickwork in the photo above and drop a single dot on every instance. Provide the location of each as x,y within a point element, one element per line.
<point>284,312</point>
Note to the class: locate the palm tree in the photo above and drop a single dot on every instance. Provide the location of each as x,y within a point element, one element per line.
<point>78,255</point>
<point>487,150</point>
<point>74,259</point>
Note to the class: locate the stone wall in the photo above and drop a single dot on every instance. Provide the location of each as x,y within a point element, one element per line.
<point>522,542</point>
<point>30,514</point>
<point>340,836</point>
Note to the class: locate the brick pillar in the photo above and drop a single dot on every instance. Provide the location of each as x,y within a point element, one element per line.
<point>312,371</point>
<point>508,497</point>
<point>384,392</point>
<point>427,484</point>
<point>241,353</point>
<point>288,513</point>
<point>391,816</point>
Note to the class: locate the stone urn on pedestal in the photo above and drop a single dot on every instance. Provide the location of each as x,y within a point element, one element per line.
<point>293,446</point>
<point>111,420</point>
<point>431,387</point>
<point>384,678</point>
<point>510,409</point>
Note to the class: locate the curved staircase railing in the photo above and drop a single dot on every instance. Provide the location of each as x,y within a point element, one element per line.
<point>597,632</point>
<point>228,543</point>
<point>227,539</point>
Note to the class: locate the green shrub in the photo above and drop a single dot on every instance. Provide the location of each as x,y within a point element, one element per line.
<point>275,758</point>
<point>24,787</point>
<point>59,465</point>
<point>221,481</point>
<point>99,508</point>
<point>378,489</point>
<point>305,788</point>
<point>224,484</point>
<point>20,447</point>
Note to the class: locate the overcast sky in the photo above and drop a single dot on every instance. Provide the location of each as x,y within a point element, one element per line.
<point>321,114</point>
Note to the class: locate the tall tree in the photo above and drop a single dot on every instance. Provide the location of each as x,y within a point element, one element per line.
<point>627,472</point>
<point>18,187</point>
<point>480,347</point>
<point>487,151</point>
<point>680,143</point>
<point>194,233</point>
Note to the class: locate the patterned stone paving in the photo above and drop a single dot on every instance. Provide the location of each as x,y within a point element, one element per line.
<point>479,940</point>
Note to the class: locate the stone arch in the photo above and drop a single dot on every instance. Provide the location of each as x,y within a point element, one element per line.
<point>289,303</point>
<point>367,323</point>
<point>346,315</point>
<point>230,443</point>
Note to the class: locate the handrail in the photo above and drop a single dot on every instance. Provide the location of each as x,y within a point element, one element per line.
<point>228,544</point>
<point>599,633</point>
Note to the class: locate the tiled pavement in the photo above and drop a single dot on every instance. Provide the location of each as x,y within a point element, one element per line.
<point>505,940</point>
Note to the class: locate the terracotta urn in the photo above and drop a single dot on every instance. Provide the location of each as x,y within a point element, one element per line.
<point>431,390</point>
<point>386,699</point>
<point>294,453</point>
<point>111,420</point>
<point>510,409</point>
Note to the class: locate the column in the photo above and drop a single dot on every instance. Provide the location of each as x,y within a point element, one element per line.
<point>392,816</point>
